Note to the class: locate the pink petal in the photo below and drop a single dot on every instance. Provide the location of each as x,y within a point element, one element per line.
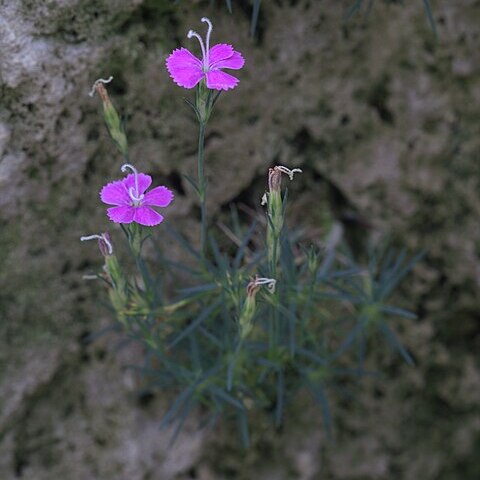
<point>123,214</point>
<point>235,62</point>
<point>158,197</point>
<point>115,193</point>
<point>224,56</point>
<point>147,216</point>
<point>220,51</point>
<point>218,80</point>
<point>184,68</point>
<point>144,181</point>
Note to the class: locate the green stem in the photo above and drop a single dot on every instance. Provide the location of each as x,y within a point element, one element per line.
<point>202,186</point>
<point>276,325</point>
<point>274,320</point>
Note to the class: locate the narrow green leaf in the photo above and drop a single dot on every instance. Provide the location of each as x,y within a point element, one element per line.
<point>113,327</point>
<point>269,363</point>
<point>244,431</point>
<point>196,323</point>
<point>319,395</point>
<point>287,258</point>
<point>362,349</point>
<point>146,277</point>
<point>207,287</point>
<point>431,20</point>
<point>395,343</point>
<point>369,9</point>
<point>215,340</point>
<point>292,334</point>
<point>177,404</point>
<point>231,366</point>
<point>326,265</point>
<point>210,421</point>
<point>397,276</point>
<point>226,397</point>
<point>355,372</point>
<point>399,311</point>
<point>183,397</point>
<point>183,415</point>
<point>347,295</point>
<point>220,258</point>
<point>354,9</point>
<point>192,182</point>
<point>341,295</point>
<point>265,371</point>
<point>280,398</point>
<point>194,353</point>
<point>241,249</point>
<point>255,13</point>
<point>194,108</point>
<point>183,243</point>
<point>350,272</point>
<point>348,342</point>
<point>237,227</point>
<point>311,356</point>
<point>165,261</point>
<point>216,97</point>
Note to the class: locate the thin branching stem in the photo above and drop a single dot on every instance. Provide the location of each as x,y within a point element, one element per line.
<point>202,186</point>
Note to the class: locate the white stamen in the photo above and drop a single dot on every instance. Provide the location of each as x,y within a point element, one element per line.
<point>287,171</point>
<point>133,192</point>
<point>264,199</point>
<point>100,80</point>
<point>207,46</point>
<point>191,34</point>
<point>269,282</point>
<point>99,237</point>
<point>90,277</point>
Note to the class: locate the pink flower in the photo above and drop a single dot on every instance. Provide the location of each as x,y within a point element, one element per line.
<point>131,202</point>
<point>187,70</point>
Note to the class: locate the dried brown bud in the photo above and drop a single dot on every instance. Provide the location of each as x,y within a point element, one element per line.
<point>105,244</point>
<point>274,180</point>
<point>102,92</point>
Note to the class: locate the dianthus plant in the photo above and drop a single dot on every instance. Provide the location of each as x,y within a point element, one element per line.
<point>239,330</point>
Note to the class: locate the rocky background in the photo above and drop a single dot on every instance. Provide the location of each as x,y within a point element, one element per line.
<point>375,106</point>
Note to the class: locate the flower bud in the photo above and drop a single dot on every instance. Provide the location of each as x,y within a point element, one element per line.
<point>104,242</point>
<point>112,120</point>
<point>312,260</point>
<point>275,209</point>
<point>275,199</point>
<point>275,214</point>
<point>119,292</point>
<point>248,309</point>
<point>274,180</point>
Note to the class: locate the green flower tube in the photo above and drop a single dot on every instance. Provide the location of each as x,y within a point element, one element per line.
<point>110,115</point>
